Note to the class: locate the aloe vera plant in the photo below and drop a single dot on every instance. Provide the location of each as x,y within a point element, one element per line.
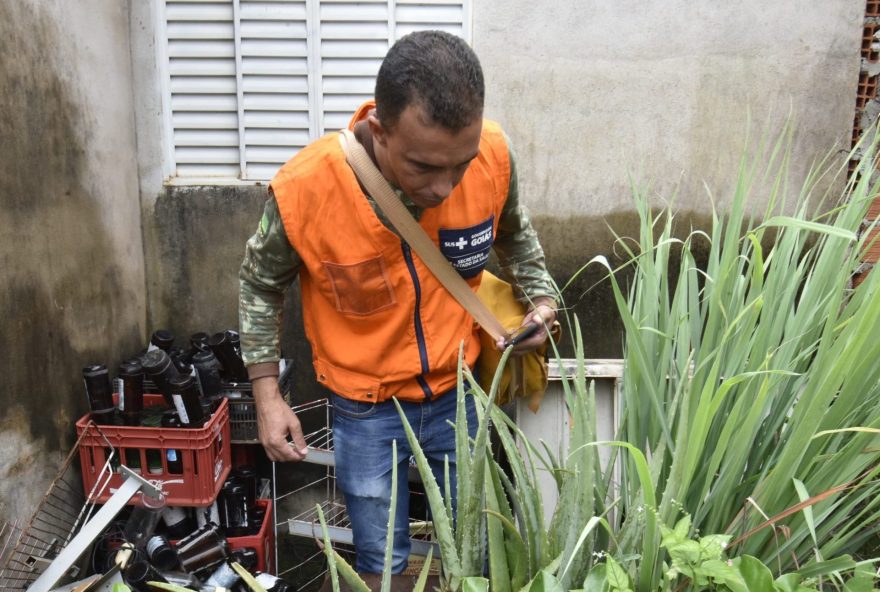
<point>751,405</point>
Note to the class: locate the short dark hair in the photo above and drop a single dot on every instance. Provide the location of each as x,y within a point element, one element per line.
<point>435,70</point>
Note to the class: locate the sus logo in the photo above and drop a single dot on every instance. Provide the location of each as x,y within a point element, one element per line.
<point>467,249</point>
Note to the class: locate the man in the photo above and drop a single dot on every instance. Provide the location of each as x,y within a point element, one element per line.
<point>381,326</point>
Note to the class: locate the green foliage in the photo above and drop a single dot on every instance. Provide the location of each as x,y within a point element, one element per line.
<point>753,384</point>
<point>751,405</point>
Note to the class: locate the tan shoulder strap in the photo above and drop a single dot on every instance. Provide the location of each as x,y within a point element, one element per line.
<point>377,186</point>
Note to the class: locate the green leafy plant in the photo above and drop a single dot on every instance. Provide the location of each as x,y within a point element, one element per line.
<point>745,381</point>
<point>751,401</point>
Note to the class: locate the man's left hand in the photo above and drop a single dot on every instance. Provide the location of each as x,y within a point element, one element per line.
<point>542,313</point>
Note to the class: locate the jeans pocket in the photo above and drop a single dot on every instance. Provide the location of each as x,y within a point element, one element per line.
<point>352,409</point>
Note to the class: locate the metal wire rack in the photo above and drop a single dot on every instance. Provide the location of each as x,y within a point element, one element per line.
<point>26,550</point>
<point>304,552</point>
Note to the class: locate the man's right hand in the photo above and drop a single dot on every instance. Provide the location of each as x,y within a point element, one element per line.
<point>276,421</point>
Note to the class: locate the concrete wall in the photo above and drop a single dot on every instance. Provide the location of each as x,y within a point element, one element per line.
<point>590,93</point>
<point>72,271</point>
<point>593,91</point>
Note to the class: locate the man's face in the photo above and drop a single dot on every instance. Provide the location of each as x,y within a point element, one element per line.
<point>425,160</point>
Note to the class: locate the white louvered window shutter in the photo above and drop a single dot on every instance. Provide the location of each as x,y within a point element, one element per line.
<point>253,81</point>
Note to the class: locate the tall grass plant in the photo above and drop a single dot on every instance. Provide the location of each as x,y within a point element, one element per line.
<point>751,411</point>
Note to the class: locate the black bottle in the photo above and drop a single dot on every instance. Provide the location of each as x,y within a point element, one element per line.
<point>224,349</point>
<point>208,369</point>
<point>172,456</point>
<point>131,392</point>
<point>256,519</point>
<point>178,524</point>
<point>162,339</point>
<point>233,508</point>
<point>199,341</point>
<point>161,370</point>
<point>185,396</point>
<point>161,553</point>
<point>247,476</point>
<point>138,573</point>
<point>235,338</point>
<point>99,393</point>
<point>203,549</point>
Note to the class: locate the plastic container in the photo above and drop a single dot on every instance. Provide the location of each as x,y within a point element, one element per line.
<point>243,421</point>
<point>204,455</point>
<point>263,542</point>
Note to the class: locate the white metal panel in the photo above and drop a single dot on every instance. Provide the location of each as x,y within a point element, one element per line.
<point>274,62</point>
<point>203,137</point>
<point>195,31</point>
<point>277,119</point>
<point>551,424</point>
<point>276,137</point>
<point>253,81</point>
<point>203,87</point>
<point>201,48</point>
<point>186,120</point>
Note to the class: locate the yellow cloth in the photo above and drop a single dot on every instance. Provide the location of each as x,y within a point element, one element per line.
<point>524,376</point>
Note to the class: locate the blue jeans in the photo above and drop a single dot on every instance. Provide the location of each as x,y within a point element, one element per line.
<point>362,437</point>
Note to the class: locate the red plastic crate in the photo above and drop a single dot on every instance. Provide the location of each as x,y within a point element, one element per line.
<point>263,542</point>
<point>204,453</point>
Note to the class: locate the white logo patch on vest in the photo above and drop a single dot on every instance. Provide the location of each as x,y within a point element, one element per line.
<point>468,248</point>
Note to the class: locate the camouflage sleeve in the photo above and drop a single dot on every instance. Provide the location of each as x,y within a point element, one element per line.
<point>270,265</point>
<point>520,255</point>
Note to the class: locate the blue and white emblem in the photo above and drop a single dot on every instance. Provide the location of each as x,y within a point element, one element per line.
<point>468,248</point>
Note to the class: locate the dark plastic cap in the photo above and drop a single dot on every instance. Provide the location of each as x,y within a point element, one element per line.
<point>200,338</point>
<point>163,339</point>
<point>204,358</point>
<point>94,370</point>
<point>218,339</point>
<point>131,368</point>
<point>155,362</point>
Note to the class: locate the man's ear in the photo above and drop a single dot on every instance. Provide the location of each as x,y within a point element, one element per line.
<point>380,135</point>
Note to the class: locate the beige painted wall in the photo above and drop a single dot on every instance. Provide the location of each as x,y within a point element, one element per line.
<point>592,90</point>
<point>71,251</point>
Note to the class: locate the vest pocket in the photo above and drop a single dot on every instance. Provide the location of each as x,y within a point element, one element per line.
<point>360,288</point>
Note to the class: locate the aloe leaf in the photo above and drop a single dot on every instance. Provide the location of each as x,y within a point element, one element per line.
<point>166,586</point>
<point>591,523</point>
<point>389,529</point>
<point>425,571</point>
<point>248,579</point>
<point>499,573</point>
<point>331,559</point>
<point>471,517</point>
<point>462,439</point>
<point>475,584</point>
<point>544,581</point>
<point>351,577</point>
<point>442,523</point>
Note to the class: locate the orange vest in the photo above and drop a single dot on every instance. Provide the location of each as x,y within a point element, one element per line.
<point>379,323</point>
